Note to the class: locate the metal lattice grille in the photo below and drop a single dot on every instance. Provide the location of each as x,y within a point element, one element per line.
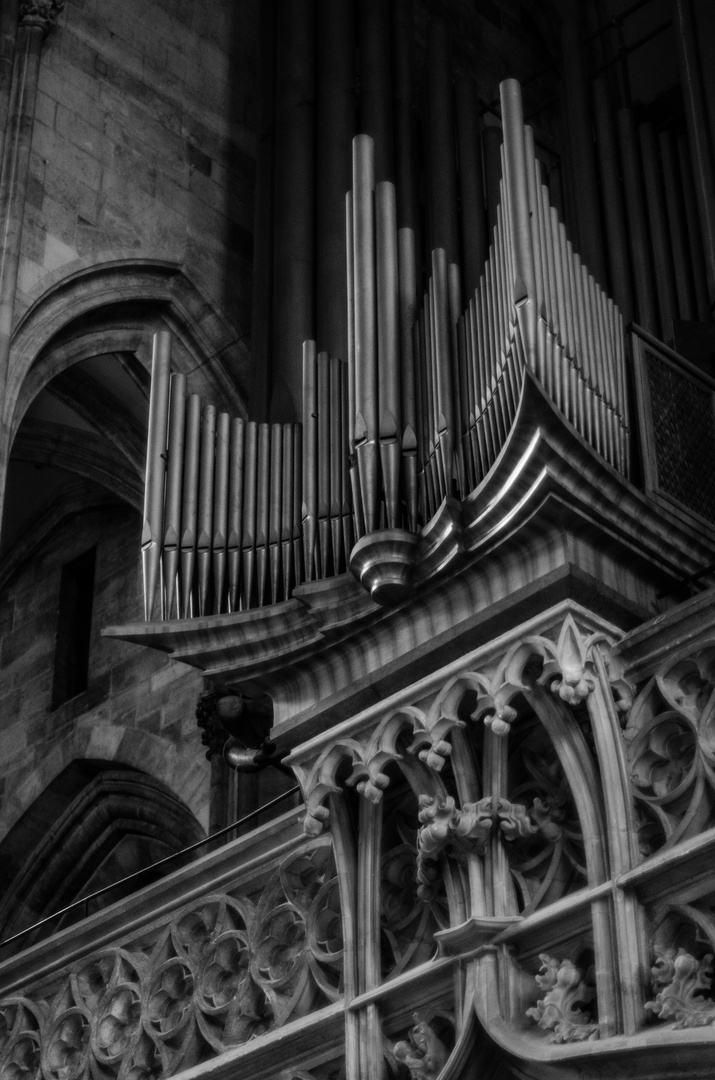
<point>684,437</point>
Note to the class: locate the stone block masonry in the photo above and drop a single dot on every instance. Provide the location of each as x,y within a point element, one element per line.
<point>136,105</point>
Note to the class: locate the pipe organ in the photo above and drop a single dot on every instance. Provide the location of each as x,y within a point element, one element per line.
<point>238,513</point>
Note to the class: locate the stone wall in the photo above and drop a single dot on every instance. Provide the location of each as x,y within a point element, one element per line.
<point>139,706</point>
<point>143,144</point>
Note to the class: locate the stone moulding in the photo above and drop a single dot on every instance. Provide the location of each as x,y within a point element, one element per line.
<point>222,971</point>
<point>556,649</point>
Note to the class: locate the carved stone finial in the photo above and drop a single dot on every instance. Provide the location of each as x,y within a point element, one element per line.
<point>560,1009</point>
<point>42,13</point>
<point>425,1055</point>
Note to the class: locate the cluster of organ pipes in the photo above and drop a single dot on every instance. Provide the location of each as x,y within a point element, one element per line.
<point>448,411</point>
<point>237,513</point>
<point>222,504</point>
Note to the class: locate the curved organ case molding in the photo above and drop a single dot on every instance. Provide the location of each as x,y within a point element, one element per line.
<point>224,970</point>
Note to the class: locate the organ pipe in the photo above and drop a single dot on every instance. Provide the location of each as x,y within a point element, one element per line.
<point>699,139</point>
<point>260,508</point>
<point>294,228</point>
<point>471,184</point>
<point>155,468</point>
<point>172,504</point>
<point>637,224</point>
<point>615,219</point>
<point>335,128</point>
<point>655,203</point>
<point>677,227</point>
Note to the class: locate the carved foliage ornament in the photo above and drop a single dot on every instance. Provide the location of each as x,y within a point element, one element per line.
<point>40,12</point>
<point>562,1008</point>
<point>445,829</point>
<point>681,983</point>
<point>218,975</point>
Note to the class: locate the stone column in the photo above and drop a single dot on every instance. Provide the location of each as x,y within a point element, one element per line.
<point>701,150</point>
<point>36,18</point>
<point>8,33</point>
<point>213,737</point>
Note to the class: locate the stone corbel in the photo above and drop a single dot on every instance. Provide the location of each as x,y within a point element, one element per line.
<point>42,13</point>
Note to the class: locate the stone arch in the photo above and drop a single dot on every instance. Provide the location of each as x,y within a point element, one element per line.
<point>93,825</point>
<point>101,314</point>
<point>184,774</point>
<point>167,297</point>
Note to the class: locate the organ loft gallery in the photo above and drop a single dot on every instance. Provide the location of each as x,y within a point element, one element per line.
<point>357,549</point>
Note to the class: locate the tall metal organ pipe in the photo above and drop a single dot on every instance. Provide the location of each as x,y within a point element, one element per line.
<point>615,219</point>
<point>637,224</point>
<point>335,125</point>
<point>294,252</point>
<point>375,101</point>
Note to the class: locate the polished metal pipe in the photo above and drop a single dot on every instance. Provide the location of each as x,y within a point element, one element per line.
<point>659,239</point>
<point>637,226</point>
<point>309,511</point>
<point>248,542</point>
<point>298,557</point>
<point>205,510</point>
<point>491,149</point>
<point>172,506</point>
<point>682,267</point>
<point>388,348</point>
<point>286,511</point>
<point>695,245</point>
<point>235,512</point>
<point>335,127</point>
<point>335,502</point>
<point>295,203</point>
<point>366,388</point>
<point>189,505</point>
<point>700,137</point>
<point>471,184</point>
<point>443,382</point>
<point>324,448</point>
<point>220,511</point>
<point>275,506</point>
<point>375,115</point>
<point>615,215</point>
<point>442,157</point>
<point>515,172</point>
<point>580,140</point>
<point>155,469</point>
<point>262,495</point>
